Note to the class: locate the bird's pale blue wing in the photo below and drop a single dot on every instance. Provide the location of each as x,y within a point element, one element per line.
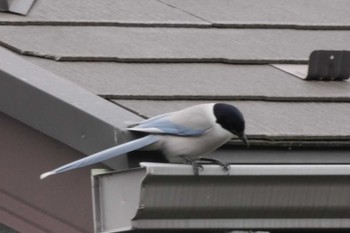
<point>192,121</point>
<point>162,125</point>
<point>105,154</point>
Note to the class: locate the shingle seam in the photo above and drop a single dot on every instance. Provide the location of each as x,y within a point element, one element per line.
<point>177,25</point>
<point>171,60</point>
<point>295,141</point>
<point>103,24</point>
<point>130,110</point>
<point>319,99</point>
<point>10,47</point>
<point>149,60</point>
<point>184,11</point>
<point>271,138</point>
<point>28,53</point>
<point>280,26</point>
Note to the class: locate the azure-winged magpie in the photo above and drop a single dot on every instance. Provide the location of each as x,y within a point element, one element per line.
<point>181,136</point>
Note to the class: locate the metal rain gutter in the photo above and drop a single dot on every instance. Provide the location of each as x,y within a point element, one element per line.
<point>168,196</point>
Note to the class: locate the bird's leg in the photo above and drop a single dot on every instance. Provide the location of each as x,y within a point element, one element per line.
<point>195,164</point>
<point>225,166</point>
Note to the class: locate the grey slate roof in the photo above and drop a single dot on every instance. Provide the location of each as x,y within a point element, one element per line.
<point>202,81</point>
<point>268,13</point>
<point>311,14</point>
<point>153,56</point>
<point>309,120</point>
<point>86,43</point>
<point>107,12</point>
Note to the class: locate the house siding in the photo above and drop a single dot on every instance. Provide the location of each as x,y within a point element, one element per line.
<point>27,204</point>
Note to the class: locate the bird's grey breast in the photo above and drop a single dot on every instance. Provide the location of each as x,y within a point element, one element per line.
<point>192,147</point>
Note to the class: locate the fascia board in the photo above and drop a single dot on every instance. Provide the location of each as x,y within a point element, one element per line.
<point>58,107</point>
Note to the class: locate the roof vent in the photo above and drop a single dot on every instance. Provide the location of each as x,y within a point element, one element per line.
<point>329,65</point>
<point>324,65</point>
<point>4,5</point>
<point>16,6</point>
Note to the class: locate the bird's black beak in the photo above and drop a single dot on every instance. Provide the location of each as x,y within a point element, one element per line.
<point>244,139</point>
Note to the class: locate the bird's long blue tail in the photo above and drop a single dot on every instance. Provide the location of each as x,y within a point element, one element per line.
<point>105,154</point>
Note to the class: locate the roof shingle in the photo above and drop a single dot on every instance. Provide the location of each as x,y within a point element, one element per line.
<point>139,44</point>
<point>194,81</point>
<point>137,52</point>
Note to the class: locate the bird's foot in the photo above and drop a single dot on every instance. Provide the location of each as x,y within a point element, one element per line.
<point>196,165</point>
<point>225,166</point>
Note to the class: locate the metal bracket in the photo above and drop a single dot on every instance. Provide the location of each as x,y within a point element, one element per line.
<point>4,5</point>
<point>329,65</point>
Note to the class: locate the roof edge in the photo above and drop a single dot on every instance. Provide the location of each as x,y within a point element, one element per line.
<point>58,107</point>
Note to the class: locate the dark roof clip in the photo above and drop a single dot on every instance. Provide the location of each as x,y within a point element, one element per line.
<point>329,65</point>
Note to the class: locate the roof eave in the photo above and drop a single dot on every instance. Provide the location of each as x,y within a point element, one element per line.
<point>60,108</point>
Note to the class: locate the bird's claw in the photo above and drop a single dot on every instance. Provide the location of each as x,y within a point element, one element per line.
<point>197,167</point>
<point>225,166</point>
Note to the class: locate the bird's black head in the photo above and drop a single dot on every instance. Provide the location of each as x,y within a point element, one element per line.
<point>231,119</point>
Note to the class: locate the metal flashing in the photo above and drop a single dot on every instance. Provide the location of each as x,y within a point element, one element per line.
<point>296,70</point>
<point>169,196</point>
<point>21,7</point>
<point>59,108</point>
